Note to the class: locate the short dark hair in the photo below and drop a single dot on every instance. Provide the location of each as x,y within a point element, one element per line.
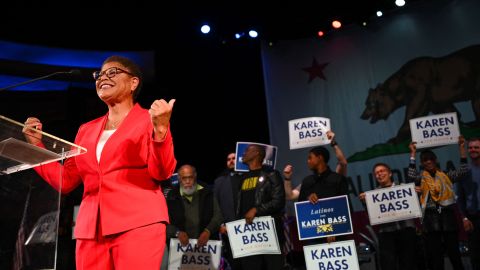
<point>261,151</point>
<point>132,68</point>
<point>428,154</point>
<point>381,164</point>
<point>474,139</point>
<point>321,151</point>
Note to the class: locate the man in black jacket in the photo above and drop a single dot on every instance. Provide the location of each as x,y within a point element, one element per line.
<point>261,194</point>
<point>226,190</point>
<point>323,183</point>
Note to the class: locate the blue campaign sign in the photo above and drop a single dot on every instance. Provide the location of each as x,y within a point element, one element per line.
<point>328,217</point>
<point>174,179</point>
<point>270,155</point>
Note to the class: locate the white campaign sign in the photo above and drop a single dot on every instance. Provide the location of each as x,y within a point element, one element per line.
<point>435,130</point>
<point>336,255</point>
<point>392,204</point>
<point>257,238</point>
<point>307,132</point>
<point>192,256</point>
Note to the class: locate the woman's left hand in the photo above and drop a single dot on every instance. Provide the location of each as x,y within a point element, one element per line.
<point>160,113</point>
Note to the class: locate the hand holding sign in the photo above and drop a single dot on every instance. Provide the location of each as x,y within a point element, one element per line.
<point>331,136</point>
<point>413,149</point>
<point>183,238</point>
<point>330,239</point>
<point>313,198</point>
<point>203,238</point>
<point>250,215</point>
<point>461,144</point>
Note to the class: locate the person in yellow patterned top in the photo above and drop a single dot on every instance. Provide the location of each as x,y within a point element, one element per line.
<point>437,199</point>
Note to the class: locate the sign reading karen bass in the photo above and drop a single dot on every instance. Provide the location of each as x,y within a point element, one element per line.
<point>259,237</point>
<point>392,204</point>
<point>307,132</point>
<point>192,256</point>
<point>328,217</point>
<point>336,255</point>
<point>435,130</point>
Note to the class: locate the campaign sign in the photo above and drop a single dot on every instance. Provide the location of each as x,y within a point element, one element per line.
<point>257,238</point>
<point>174,179</point>
<point>270,155</point>
<point>392,204</point>
<point>328,217</point>
<point>45,229</point>
<point>192,256</point>
<point>307,132</point>
<point>434,130</point>
<point>336,255</point>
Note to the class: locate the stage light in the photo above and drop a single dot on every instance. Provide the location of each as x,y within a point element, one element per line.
<point>336,24</point>
<point>205,29</point>
<point>253,33</point>
<point>239,35</point>
<point>400,3</point>
<point>320,33</point>
<point>379,13</point>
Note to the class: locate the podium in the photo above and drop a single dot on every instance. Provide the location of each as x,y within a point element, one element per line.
<point>29,207</point>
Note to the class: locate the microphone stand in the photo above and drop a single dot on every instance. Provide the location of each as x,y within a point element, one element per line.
<point>38,79</point>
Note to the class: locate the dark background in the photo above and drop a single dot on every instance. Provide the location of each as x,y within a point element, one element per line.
<point>217,80</point>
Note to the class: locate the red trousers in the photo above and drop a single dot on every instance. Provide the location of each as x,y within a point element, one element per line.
<point>140,248</point>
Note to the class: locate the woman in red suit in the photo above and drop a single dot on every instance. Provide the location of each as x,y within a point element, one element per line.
<point>122,217</point>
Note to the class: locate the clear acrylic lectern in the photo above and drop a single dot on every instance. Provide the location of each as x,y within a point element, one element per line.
<point>29,208</point>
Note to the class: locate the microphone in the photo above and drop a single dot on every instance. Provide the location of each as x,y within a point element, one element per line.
<point>73,72</point>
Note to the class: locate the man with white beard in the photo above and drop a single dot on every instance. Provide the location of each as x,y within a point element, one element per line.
<point>193,210</point>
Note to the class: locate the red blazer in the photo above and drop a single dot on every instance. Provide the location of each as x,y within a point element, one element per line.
<point>121,188</point>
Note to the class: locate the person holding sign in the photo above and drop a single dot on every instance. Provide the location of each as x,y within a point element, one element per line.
<point>437,199</point>
<point>469,202</point>
<point>193,210</point>
<point>261,194</point>
<point>323,183</point>
<point>122,217</point>
<point>396,239</point>
<point>292,194</point>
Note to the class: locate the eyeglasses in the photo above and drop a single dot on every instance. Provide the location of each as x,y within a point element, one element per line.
<point>111,72</point>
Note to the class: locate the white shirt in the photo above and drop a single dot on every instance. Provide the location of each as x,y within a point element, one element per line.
<point>103,139</point>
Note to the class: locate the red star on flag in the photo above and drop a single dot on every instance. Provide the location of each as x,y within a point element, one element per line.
<point>315,70</point>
